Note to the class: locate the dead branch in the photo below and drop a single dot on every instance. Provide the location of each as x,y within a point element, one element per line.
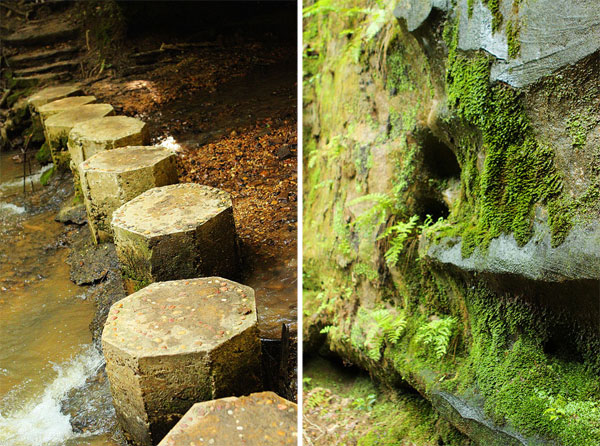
<point>4,97</point>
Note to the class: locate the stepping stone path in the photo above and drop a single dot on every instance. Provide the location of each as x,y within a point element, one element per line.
<point>176,343</point>
<point>97,135</point>
<point>59,126</point>
<point>260,419</point>
<point>61,105</point>
<point>111,178</point>
<point>176,232</point>
<point>51,94</point>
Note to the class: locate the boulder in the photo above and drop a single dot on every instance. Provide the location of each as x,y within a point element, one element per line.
<point>176,343</point>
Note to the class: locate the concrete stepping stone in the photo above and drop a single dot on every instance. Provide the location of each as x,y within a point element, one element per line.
<point>61,105</point>
<point>260,419</point>
<point>176,343</point>
<point>111,178</point>
<point>105,133</point>
<point>176,232</point>
<point>50,94</point>
<point>58,126</point>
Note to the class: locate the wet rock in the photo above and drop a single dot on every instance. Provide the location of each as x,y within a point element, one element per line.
<point>260,419</point>
<point>58,127</point>
<point>470,419</point>
<point>52,94</point>
<point>91,264</point>
<point>61,105</point>
<point>176,232</point>
<point>110,179</point>
<point>72,213</point>
<point>176,343</point>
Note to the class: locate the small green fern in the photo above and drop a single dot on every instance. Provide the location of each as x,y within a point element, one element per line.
<point>399,233</point>
<point>318,397</point>
<point>436,334</point>
<point>375,328</point>
<point>377,214</point>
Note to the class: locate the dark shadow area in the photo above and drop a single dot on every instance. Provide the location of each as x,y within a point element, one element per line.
<point>438,158</point>
<point>212,20</point>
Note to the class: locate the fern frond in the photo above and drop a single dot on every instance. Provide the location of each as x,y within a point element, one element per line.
<point>437,334</point>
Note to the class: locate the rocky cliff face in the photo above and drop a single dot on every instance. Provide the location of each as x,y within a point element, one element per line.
<point>452,207</point>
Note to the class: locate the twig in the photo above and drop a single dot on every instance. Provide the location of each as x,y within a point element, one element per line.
<point>87,39</point>
<point>4,97</point>
<point>15,10</point>
<point>24,152</point>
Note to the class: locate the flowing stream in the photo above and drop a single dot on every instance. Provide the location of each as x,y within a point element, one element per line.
<point>50,374</point>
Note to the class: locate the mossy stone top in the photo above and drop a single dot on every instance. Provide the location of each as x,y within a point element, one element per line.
<point>52,94</point>
<point>107,129</point>
<point>171,209</point>
<point>259,419</point>
<point>63,122</point>
<point>61,105</point>
<point>124,159</point>
<point>180,316</point>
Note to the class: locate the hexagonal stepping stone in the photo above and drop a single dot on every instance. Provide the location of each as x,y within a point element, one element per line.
<point>52,94</point>
<point>176,343</point>
<point>111,178</point>
<point>61,105</point>
<point>260,419</point>
<point>176,232</point>
<point>97,135</point>
<point>58,126</point>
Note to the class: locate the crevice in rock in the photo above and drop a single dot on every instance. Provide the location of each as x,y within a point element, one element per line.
<point>438,158</point>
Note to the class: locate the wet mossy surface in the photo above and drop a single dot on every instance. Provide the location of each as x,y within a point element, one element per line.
<point>527,367</point>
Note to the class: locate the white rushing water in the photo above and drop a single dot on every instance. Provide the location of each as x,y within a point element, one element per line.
<point>17,183</point>
<point>10,208</point>
<point>40,421</point>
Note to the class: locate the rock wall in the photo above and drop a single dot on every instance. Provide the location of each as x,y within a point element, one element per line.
<point>452,207</point>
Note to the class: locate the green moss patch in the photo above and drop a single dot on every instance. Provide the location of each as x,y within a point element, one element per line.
<point>518,172</point>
